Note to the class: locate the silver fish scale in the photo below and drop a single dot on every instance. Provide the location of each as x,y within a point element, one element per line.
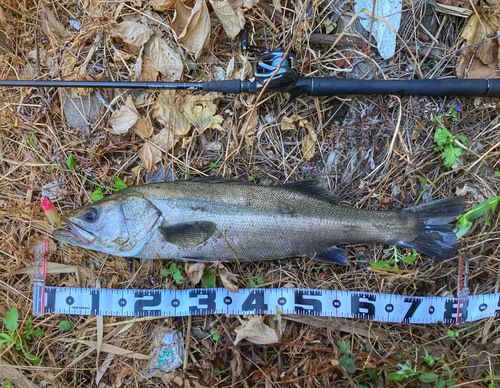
<point>263,222</point>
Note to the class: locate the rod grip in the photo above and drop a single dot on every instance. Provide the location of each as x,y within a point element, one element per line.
<point>227,86</point>
<point>422,87</point>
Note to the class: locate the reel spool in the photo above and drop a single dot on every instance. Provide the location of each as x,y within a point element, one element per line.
<point>286,76</point>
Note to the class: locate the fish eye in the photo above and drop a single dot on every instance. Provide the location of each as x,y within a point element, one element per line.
<point>90,214</point>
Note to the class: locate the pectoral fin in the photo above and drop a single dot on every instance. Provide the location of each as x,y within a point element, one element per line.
<point>332,255</point>
<point>188,234</point>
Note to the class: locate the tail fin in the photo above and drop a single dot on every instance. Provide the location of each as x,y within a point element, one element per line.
<point>435,236</point>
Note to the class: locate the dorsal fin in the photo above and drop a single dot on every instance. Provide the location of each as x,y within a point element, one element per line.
<point>312,188</point>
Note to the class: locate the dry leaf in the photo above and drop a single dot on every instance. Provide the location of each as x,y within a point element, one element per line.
<point>287,123</point>
<point>138,65</point>
<point>123,119</point>
<point>191,26</point>
<point>471,30</point>
<point>108,348</point>
<point>35,241</point>
<point>195,271</point>
<point>149,155</point>
<point>143,127</point>
<point>232,20</point>
<point>236,366</point>
<point>165,139</point>
<point>167,111</point>
<point>14,374</point>
<point>148,72</point>
<point>479,61</point>
<point>132,32</point>
<point>200,111</point>
<point>166,60</point>
<point>309,145</point>
<point>256,332</point>
<point>161,5</point>
<point>229,279</point>
<point>68,67</point>
<point>50,23</point>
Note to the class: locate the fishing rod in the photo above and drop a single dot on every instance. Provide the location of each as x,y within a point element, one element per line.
<point>284,78</point>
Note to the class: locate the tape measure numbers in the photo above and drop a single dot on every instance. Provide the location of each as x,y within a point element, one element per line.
<point>323,303</point>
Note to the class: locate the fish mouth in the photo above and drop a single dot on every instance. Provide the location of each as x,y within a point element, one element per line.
<point>72,231</point>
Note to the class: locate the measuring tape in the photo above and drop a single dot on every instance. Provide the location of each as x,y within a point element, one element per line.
<point>322,303</point>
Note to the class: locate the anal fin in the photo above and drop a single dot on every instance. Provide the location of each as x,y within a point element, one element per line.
<point>332,255</point>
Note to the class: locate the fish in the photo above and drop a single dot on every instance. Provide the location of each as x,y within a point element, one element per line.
<point>211,219</point>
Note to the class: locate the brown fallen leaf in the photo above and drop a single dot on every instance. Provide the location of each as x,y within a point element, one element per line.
<point>50,23</point>
<point>131,32</point>
<point>124,118</point>
<point>166,60</point>
<point>256,332</point>
<point>12,373</point>
<point>149,156</point>
<point>143,127</point>
<point>148,72</point>
<point>191,26</point>
<point>165,139</point>
<point>232,19</point>
<point>288,123</point>
<point>200,111</point>
<point>35,241</point>
<point>229,280</point>
<point>309,145</point>
<point>195,271</point>
<point>168,111</point>
<point>161,5</point>
<point>479,60</point>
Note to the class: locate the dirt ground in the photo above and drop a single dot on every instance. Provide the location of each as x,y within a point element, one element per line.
<point>374,152</point>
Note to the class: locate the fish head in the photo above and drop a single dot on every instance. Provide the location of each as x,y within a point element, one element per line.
<point>119,224</point>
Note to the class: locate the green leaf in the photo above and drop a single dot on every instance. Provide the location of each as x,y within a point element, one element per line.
<point>440,384</point>
<point>450,383</point>
<point>6,339</point>
<point>497,174</point>
<point>70,161</point>
<point>31,358</point>
<point>348,363</point>
<point>452,334</point>
<point>429,360</point>
<point>208,279</point>
<point>371,374</point>
<point>410,258</point>
<point>428,377</point>
<point>254,284</point>
<point>450,155</point>
<point>97,194</point>
<point>384,264</point>
<point>441,136</point>
<point>345,347</point>
<point>65,325</point>
<point>175,272</point>
<point>10,320</point>
<point>397,376</point>
<point>214,334</point>
<point>119,184</point>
